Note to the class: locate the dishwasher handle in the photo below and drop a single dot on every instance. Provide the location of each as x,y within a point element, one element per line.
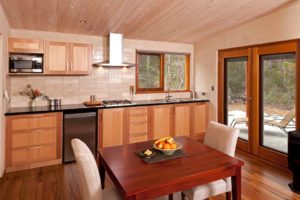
<point>80,115</point>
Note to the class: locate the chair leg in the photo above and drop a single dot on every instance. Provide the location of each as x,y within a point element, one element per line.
<point>228,195</point>
<point>182,196</point>
<point>171,196</point>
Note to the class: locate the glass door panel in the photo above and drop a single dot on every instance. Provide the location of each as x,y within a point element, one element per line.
<point>236,109</point>
<point>277,99</point>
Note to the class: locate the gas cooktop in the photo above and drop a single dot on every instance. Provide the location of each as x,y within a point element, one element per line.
<point>124,102</point>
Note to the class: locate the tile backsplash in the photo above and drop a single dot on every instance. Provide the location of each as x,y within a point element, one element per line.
<point>105,83</point>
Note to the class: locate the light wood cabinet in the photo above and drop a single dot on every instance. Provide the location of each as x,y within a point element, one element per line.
<point>182,120</point>
<point>67,58</point>
<point>21,45</point>
<point>33,140</point>
<point>119,126</point>
<point>162,121</point>
<point>138,121</point>
<point>199,118</point>
<point>111,127</point>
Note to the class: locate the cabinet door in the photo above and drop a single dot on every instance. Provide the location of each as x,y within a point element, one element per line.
<point>162,121</point>
<point>20,45</point>
<point>182,120</point>
<point>200,118</point>
<point>56,58</point>
<point>112,126</point>
<point>80,58</point>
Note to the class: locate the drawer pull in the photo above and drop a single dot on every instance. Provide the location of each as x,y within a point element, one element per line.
<point>37,147</point>
<point>138,134</point>
<point>138,123</point>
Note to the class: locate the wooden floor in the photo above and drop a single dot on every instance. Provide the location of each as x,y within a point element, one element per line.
<point>260,180</point>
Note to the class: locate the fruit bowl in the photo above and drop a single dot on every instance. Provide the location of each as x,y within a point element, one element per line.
<point>168,151</point>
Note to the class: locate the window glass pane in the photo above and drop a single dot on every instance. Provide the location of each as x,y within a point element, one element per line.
<point>149,71</point>
<point>278,99</point>
<point>236,95</point>
<point>174,72</point>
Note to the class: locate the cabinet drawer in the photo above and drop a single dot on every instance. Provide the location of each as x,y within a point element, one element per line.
<point>29,122</point>
<point>138,138</point>
<point>31,138</point>
<point>138,128</point>
<point>33,154</point>
<point>138,118</point>
<point>19,157</point>
<point>138,111</point>
<point>42,153</point>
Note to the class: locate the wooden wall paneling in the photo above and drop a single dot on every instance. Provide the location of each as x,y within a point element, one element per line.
<point>166,16</point>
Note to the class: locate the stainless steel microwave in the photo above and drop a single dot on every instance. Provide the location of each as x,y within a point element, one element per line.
<point>26,63</point>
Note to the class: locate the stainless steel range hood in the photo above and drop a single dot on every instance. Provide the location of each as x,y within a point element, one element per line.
<point>115,52</point>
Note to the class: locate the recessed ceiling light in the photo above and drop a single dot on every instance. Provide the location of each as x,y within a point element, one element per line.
<point>82,21</point>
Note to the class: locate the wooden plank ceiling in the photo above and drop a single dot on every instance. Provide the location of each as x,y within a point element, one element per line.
<point>163,20</point>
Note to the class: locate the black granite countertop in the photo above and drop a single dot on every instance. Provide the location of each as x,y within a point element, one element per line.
<point>82,107</point>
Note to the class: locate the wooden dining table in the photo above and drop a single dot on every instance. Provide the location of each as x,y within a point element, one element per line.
<point>136,179</point>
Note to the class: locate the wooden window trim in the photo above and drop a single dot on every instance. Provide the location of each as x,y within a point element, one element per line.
<point>162,86</point>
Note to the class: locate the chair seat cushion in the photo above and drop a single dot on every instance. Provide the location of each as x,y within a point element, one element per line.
<point>207,190</point>
<point>111,194</point>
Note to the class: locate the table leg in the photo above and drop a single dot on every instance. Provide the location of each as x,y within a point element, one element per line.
<point>171,196</point>
<point>236,185</point>
<point>102,174</point>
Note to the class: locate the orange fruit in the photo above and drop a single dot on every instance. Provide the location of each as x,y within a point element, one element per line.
<point>167,146</point>
<point>159,145</point>
<point>173,146</point>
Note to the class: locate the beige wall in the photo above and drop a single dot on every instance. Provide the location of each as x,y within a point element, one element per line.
<point>4,32</point>
<point>281,25</point>
<point>105,83</point>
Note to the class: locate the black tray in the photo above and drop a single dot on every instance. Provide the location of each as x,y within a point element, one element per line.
<point>160,156</point>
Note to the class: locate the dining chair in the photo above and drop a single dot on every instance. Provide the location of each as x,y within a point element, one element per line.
<point>90,184</point>
<point>224,139</point>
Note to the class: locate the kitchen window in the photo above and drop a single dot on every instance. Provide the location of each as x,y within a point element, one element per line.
<point>160,72</point>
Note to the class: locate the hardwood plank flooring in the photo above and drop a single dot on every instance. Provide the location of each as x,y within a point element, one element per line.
<point>261,180</point>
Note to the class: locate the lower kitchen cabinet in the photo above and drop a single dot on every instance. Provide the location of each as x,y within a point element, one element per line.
<point>119,126</point>
<point>111,127</point>
<point>138,124</point>
<point>182,120</point>
<point>162,121</point>
<point>199,119</point>
<point>33,140</point>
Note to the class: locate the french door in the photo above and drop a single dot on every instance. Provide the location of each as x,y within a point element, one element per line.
<point>258,94</point>
<point>236,92</point>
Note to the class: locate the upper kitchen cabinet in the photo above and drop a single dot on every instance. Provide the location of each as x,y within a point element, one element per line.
<point>67,58</point>
<point>20,45</point>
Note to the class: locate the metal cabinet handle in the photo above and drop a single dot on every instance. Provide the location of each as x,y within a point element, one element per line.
<point>36,147</point>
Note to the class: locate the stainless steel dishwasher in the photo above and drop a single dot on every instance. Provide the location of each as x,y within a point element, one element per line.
<point>81,125</point>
